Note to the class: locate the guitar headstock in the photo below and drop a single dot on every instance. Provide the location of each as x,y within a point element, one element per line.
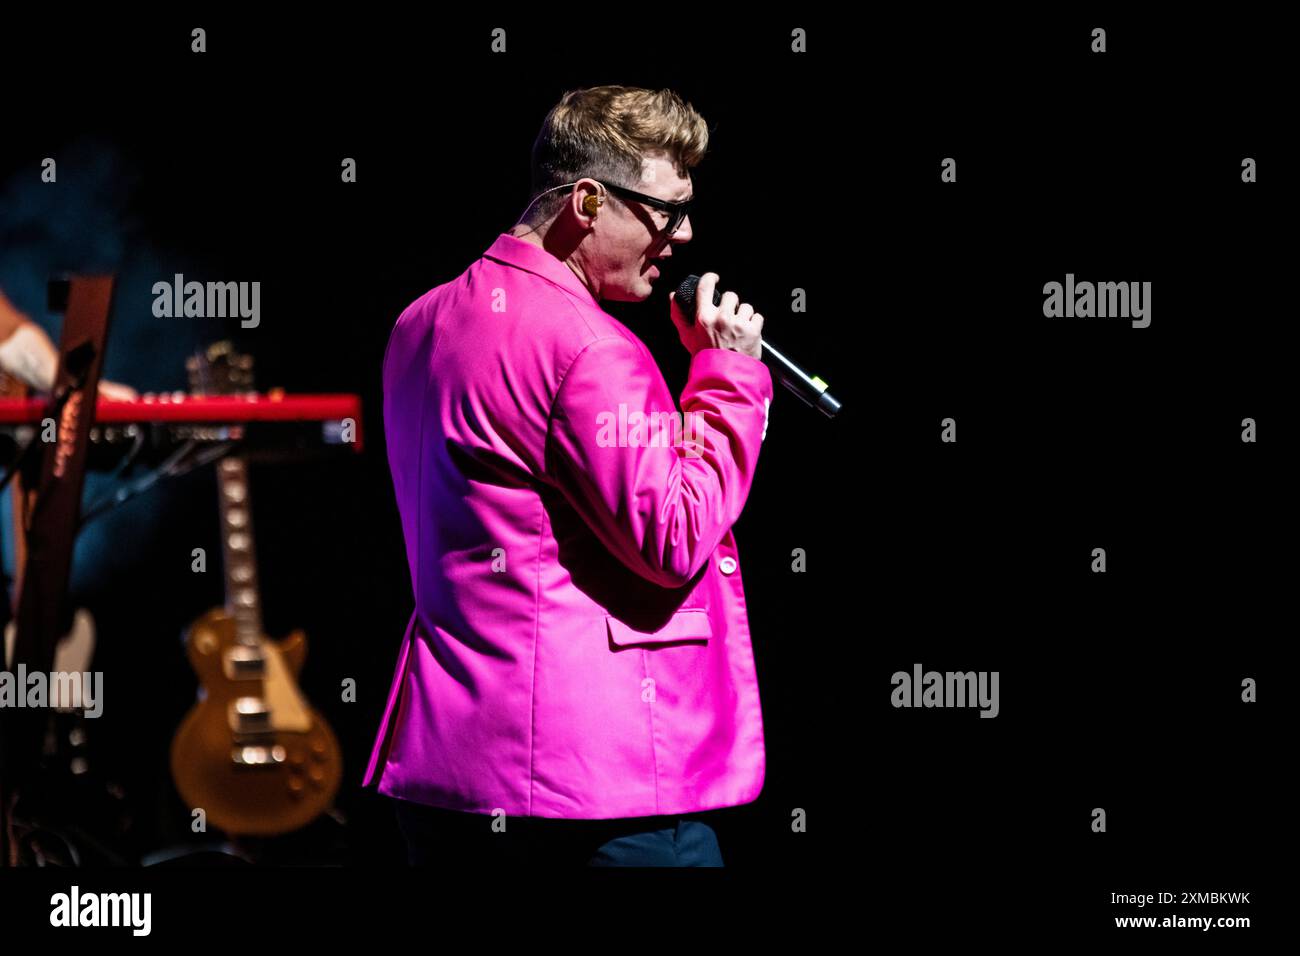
<point>220,370</point>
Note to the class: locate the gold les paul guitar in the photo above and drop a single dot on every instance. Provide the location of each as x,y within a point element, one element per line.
<point>252,753</point>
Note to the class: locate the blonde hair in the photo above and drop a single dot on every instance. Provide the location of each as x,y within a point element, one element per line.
<point>606,132</point>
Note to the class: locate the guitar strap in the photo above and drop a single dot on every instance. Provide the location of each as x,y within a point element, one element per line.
<point>55,511</point>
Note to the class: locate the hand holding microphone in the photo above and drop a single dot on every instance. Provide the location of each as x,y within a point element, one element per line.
<point>714,321</point>
<point>719,322</point>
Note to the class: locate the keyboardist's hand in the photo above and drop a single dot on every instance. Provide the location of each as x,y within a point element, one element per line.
<point>117,392</point>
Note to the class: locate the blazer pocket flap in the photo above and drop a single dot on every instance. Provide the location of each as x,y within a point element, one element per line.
<point>682,626</point>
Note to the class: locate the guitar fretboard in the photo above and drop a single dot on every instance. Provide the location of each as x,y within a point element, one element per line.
<point>242,596</point>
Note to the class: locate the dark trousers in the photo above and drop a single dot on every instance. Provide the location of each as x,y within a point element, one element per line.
<point>438,837</point>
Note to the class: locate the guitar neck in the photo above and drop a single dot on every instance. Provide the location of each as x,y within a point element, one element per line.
<point>243,599</point>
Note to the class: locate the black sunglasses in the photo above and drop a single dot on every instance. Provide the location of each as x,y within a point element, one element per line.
<point>677,211</point>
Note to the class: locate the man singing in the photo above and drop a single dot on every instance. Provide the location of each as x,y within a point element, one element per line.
<point>576,684</point>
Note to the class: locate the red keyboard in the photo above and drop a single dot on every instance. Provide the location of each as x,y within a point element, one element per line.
<point>219,416</point>
<point>181,407</point>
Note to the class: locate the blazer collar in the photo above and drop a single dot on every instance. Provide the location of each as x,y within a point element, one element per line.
<point>522,254</point>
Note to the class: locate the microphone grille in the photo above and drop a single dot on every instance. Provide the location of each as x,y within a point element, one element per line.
<point>686,296</point>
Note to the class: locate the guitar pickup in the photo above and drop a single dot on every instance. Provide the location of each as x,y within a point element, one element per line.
<point>249,715</point>
<point>244,663</point>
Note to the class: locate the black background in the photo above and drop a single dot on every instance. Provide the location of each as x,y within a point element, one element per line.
<point>925,299</point>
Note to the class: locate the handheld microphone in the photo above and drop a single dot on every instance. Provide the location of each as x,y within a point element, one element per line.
<point>810,389</point>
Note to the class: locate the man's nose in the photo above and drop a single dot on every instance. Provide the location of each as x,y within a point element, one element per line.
<point>683,233</point>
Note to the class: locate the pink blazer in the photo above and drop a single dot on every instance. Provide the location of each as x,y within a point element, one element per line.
<point>579,646</point>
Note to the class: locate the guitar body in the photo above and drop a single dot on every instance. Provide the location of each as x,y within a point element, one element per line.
<point>252,754</point>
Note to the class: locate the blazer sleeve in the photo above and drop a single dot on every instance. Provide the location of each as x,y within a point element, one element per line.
<point>662,498</point>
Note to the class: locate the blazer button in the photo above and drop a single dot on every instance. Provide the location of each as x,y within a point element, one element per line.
<point>727,564</point>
